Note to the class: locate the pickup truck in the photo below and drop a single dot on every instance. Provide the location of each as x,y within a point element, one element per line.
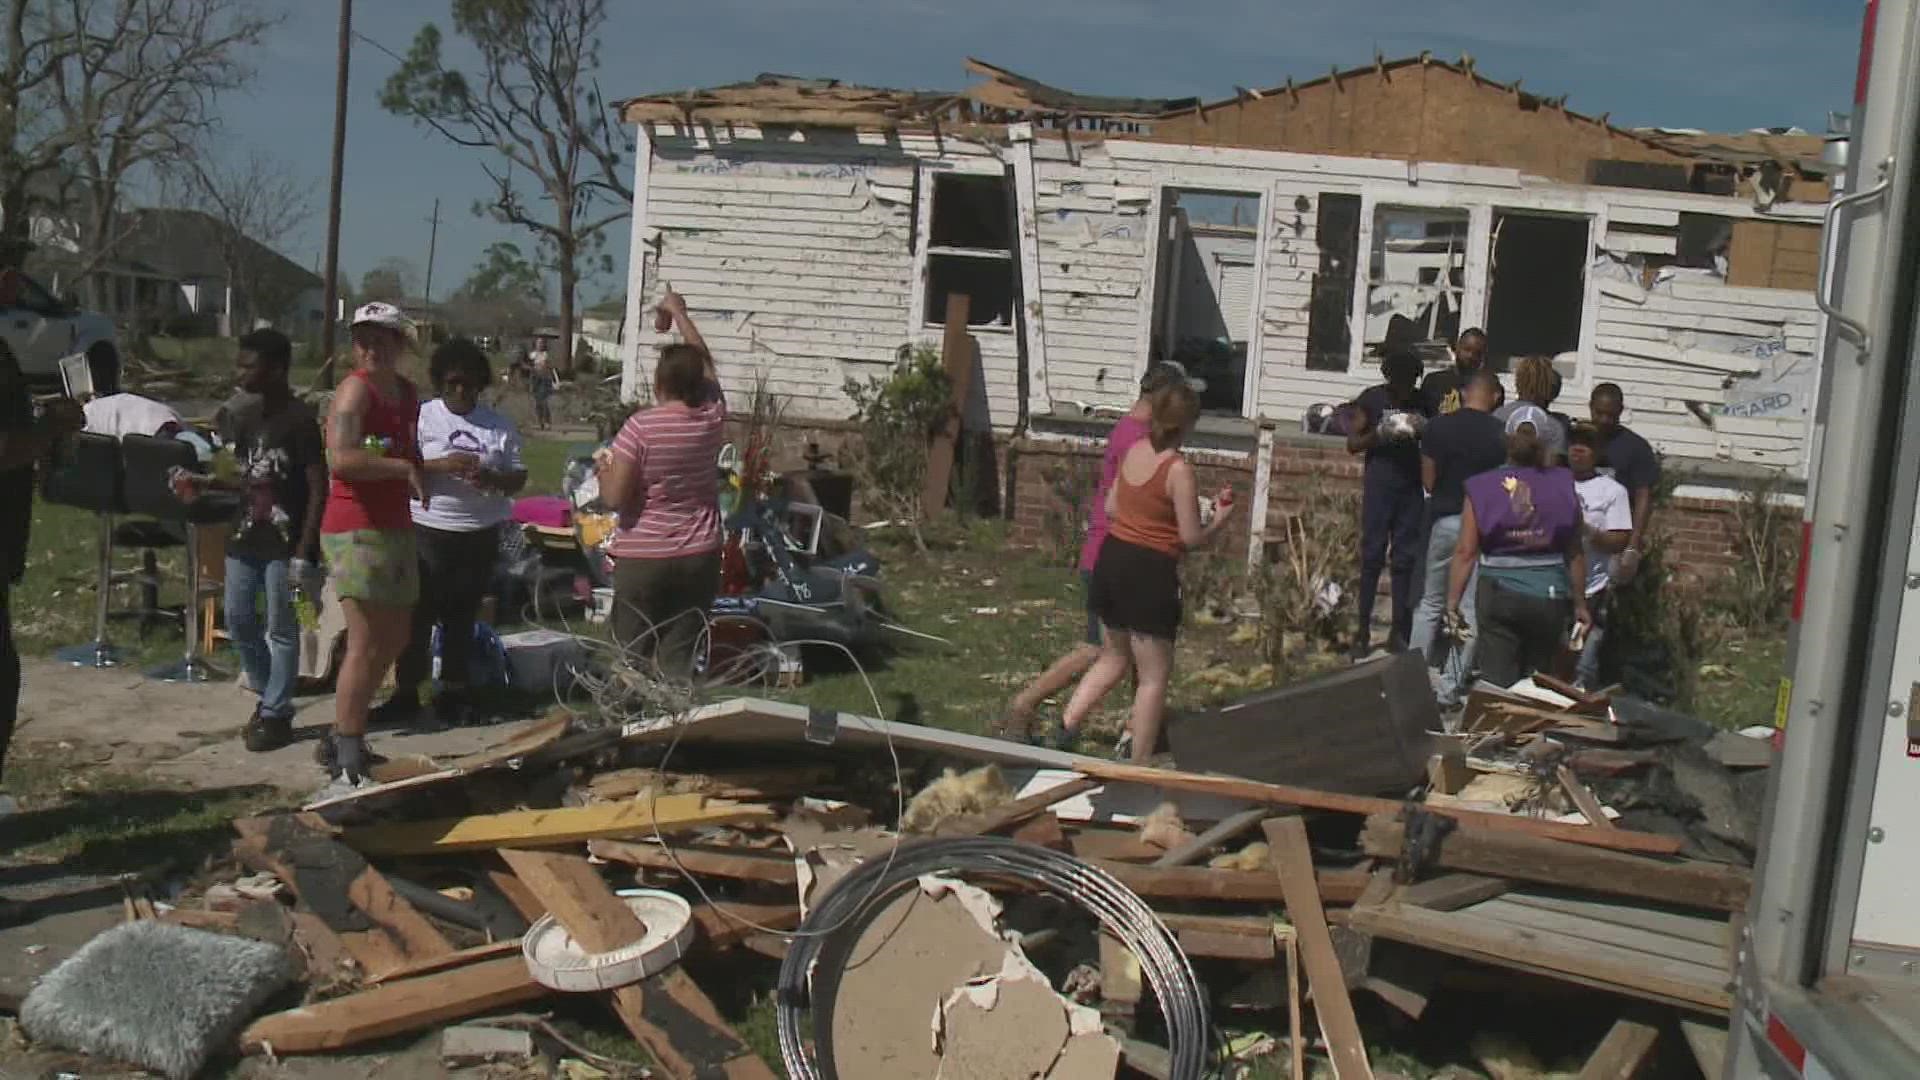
<point>40,328</point>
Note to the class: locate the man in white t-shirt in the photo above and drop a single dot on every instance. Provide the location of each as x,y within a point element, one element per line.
<point>1606,510</point>
<point>116,413</point>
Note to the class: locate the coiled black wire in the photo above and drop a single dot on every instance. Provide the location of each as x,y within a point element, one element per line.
<point>1183,1001</point>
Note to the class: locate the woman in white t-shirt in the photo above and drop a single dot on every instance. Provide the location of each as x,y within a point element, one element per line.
<point>457,531</point>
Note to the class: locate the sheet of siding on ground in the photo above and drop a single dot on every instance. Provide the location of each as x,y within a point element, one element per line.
<point>1711,370</point>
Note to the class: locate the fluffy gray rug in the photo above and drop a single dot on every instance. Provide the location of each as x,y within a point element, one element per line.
<point>151,994</point>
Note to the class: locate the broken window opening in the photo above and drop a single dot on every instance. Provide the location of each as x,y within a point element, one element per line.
<point>1204,303</point>
<point>1538,286</point>
<point>1416,278</point>
<point>970,248</point>
<point>1330,311</point>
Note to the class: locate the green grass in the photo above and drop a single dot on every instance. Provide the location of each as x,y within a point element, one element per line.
<point>1739,682</point>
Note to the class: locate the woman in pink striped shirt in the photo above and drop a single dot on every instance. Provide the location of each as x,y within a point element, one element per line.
<point>662,480</point>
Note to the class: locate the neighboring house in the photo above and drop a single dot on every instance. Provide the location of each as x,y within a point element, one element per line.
<point>176,263</point>
<point>600,328</point>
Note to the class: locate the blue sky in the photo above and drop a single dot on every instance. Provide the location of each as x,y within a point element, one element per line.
<point>1677,63</point>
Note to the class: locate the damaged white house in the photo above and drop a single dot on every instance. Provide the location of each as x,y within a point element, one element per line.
<point>1273,242</point>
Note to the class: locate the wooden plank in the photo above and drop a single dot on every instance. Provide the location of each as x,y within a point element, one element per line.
<point>1623,1053</point>
<point>739,866</point>
<point>1589,806</point>
<point>1451,892</point>
<point>1016,811</point>
<point>956,357</point>
<point>394,1009</point>
<point>1197,848</point>
<point>726,923</point>
<point>1708,1043</point>
<point>1581,927</point>
<point>1293,862</point>
<point>566,825</point>
<point>1528,858</point>
<point>1672,924</point>
<point>1296,1042</point>
<point>1601,966</point>
<point>1643,243</point>
<point>684,1032</point>
<point>1288,795</point>
<point>464,957</point>
<point>1244,886</point>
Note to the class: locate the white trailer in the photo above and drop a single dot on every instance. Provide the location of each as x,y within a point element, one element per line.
<point>1829,971</point>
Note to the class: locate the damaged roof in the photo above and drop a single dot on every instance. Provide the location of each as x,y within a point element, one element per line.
<point>786,99</point>
<point>1796,148</point>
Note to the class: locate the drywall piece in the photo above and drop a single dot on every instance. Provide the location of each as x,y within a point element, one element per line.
<point>1013,1024</point>
<point>910,956</point>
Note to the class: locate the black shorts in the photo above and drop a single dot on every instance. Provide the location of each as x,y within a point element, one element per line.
<point>1137,590</point>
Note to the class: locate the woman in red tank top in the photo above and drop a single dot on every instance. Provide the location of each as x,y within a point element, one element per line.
<point>366,532</point>
<point>1153,512</point>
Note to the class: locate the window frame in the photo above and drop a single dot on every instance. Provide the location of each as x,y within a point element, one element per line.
<point>918,318</point>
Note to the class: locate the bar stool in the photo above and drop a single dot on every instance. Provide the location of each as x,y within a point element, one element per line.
<point>149,490</point>
<point>89,477</point>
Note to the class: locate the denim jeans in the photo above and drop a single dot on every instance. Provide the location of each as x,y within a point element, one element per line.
<point>269,650</point>
<point>1586,674</point>
<point>1453,660</point>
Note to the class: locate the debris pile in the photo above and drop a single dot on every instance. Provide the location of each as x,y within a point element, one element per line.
<point>920,902</point>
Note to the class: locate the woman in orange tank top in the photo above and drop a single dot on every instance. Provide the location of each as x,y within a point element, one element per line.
<point>1153,510</point>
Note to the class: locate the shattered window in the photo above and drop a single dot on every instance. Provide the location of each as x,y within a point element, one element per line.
<point>970,249</point>
<point>1330,312</point>
<point>1416,275</point>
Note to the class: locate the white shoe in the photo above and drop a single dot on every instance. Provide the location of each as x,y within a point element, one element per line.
<point>339,787</point>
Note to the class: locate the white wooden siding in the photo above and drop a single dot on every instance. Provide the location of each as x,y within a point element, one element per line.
<point>805,260</point>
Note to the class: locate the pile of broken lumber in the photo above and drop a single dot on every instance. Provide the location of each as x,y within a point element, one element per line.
<point>409,899</point>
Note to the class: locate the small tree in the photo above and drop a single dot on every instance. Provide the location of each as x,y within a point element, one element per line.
<point>897,416</point>
<point>259,203</point>
<point>392,279</point>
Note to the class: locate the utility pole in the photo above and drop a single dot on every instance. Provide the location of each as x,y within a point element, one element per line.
<point>433,238</point>
<point>330,291</point>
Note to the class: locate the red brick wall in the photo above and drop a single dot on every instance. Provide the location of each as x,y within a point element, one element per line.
<point>1701,530</point>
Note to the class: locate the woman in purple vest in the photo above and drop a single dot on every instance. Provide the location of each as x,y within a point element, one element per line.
<point>1521,527</point>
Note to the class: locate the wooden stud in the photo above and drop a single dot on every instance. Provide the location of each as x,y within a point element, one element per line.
<point>394,1009</point>
<point>1246,886</point>
<point>1293,862</point>
<point>956,357</point>
<point>1451,892</point>
<point>567,825</point>
<point>573,891</point>
<point>1197,848</point>
<point>1589,806</point>
<point>1623,1053</point>
<point>771,870</point>
<point>1297,1047</point>
<point>1471,821</point>
<point>462,958</point>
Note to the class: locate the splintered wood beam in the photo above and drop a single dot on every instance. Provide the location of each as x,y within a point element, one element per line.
<point>668,1013</point>
<point>956,358</point>
<point>1197,848</point>
<point>1526,858</point>
<point>1623,1053</point>
<point>771,870</point>
<point>1293,862</point>
<point>1584,799</point>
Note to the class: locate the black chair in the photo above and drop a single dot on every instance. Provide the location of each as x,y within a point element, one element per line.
<point>149,490</point>
<point>88,476</point>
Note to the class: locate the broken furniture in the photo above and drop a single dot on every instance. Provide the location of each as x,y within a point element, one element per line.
<point>88,475</point>
<point>150,463</point>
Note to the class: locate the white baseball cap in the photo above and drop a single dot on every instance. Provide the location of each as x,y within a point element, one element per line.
<point>379,313</point>
<point>1551,434</point>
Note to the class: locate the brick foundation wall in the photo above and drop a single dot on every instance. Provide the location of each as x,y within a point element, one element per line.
<point>1049,470</point>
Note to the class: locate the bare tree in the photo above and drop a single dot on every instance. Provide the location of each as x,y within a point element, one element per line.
<point>534,102</point>
<point>96,95</point>
<point>258,204</point>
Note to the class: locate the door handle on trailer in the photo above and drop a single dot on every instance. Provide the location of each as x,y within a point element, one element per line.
<point>1862,336</point>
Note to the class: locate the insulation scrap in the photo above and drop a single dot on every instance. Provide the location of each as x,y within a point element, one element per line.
<point>955,795</point>
<point>1251,857</point>
<point>1164,828</point>
<point>1507,1058</point>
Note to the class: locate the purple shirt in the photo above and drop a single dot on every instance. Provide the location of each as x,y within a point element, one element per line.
<point>1524,511</point>
<point>1125,433</point>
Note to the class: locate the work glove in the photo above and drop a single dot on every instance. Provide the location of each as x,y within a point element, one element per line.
<point>1456,626</point>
